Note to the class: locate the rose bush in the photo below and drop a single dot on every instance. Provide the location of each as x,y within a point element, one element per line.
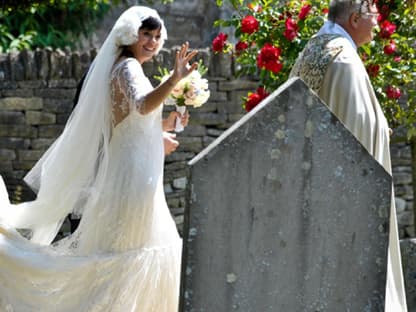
<point>269,35</point>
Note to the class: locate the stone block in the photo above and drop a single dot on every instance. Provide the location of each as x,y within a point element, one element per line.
<point>14,143</point>
<point>77,70</point>
<point>22,93</point>
<point>179,156</point>
<point>65,83</point>
<point>207,118</point>
<point>286,211</point>
<point>6,167</point>
<point>56,93</point>
<point>7,155</point>
<point>208,107</point>
<point>85,61</point>
<point>50,131</point>
<point>17,103</point>
<point>42,60</point>
<point>221,65</point>
<point>402,178</point>
<point>175,166</point>
<point>234,106</point>
<point>61,119</point>
<point>7,84</point>
<point>190,144</point>
<point>18,131</point>
<point>180,183</point>
<point>17,68</point>
<point>217,96</point>
<point>235,117</point>
<point>400,204</point>
<point>207,140</point>
<point>238,84</point>
<point>58,64</point>
<point>214,132</point>
<point>405,218</point>
<point>5,70</point>
<point>40,118</point>
<point>408,251</point>
<point>24,165</point>
<point>29,155</point>
<point>12,117</point>
<point>58,105</point>
<point>176,174</point>
<point>167,189</point>
<point>194,130</point>
<point>31,84</point>
<point>29,64</point>
<point>41,143</point>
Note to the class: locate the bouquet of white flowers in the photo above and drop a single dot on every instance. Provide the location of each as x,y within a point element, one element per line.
<point>190,91</point>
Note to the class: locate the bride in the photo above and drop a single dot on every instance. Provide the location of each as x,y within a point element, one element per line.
<point>108,165</point>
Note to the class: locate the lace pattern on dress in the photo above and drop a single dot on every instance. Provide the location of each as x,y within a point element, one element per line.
<point>126,94</point>
<point>314,60</point>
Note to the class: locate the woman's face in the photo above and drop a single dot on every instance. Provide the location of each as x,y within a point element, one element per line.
<point>147,45</point>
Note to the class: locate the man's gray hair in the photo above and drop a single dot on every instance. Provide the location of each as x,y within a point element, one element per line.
<point>341,10</point>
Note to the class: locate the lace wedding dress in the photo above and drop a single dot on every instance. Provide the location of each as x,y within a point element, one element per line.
<point>125,254</point>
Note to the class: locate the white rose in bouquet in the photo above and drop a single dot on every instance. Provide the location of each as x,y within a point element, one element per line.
<point>190,91</point>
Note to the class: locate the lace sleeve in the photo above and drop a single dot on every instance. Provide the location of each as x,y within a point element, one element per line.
<point>129,87</point>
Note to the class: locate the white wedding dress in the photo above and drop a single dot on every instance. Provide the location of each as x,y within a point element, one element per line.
<point>125,254</point>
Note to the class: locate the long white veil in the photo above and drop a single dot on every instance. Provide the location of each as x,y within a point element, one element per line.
<point>70,174</point>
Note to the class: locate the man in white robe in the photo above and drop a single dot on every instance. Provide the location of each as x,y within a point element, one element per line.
<point>331,66</point>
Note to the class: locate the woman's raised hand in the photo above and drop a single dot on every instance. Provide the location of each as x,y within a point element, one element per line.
<point>181,70</point>
<point>182,67</point>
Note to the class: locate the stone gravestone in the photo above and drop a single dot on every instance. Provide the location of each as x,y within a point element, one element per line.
<point>287,212</point>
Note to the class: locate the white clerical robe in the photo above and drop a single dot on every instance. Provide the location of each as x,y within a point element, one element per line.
<point>331,66</point>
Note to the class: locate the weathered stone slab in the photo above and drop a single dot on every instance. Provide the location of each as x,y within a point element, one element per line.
<point>408,249</point>
<point>287,212</point>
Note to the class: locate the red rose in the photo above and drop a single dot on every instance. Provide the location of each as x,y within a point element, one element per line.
<point>384,13</point>
<point>325,10</point>
<point>241,46</point>
<point>393,93</point>
<point>387,29</point>
<point>268,58</point>
<point>255,98</point>
<point>304,11</point>
<point>262,92</point>
<point>390,48</point>
<point>249,24</point>
<point>291,30</point>
<point>219,42</point>
<point>397,58</point>
<point>373,69</point>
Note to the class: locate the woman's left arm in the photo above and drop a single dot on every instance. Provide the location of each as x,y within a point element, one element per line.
<point>168,124</point>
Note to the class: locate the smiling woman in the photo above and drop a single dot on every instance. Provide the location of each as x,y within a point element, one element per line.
<point>125,254</point>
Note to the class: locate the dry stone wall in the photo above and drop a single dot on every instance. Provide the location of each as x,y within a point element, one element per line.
<point>36,98</point>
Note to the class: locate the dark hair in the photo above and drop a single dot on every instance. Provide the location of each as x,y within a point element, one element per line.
<point>150,23</point>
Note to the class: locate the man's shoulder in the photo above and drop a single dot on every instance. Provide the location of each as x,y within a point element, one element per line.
<point>314,60</point>
<point>347,54</point>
